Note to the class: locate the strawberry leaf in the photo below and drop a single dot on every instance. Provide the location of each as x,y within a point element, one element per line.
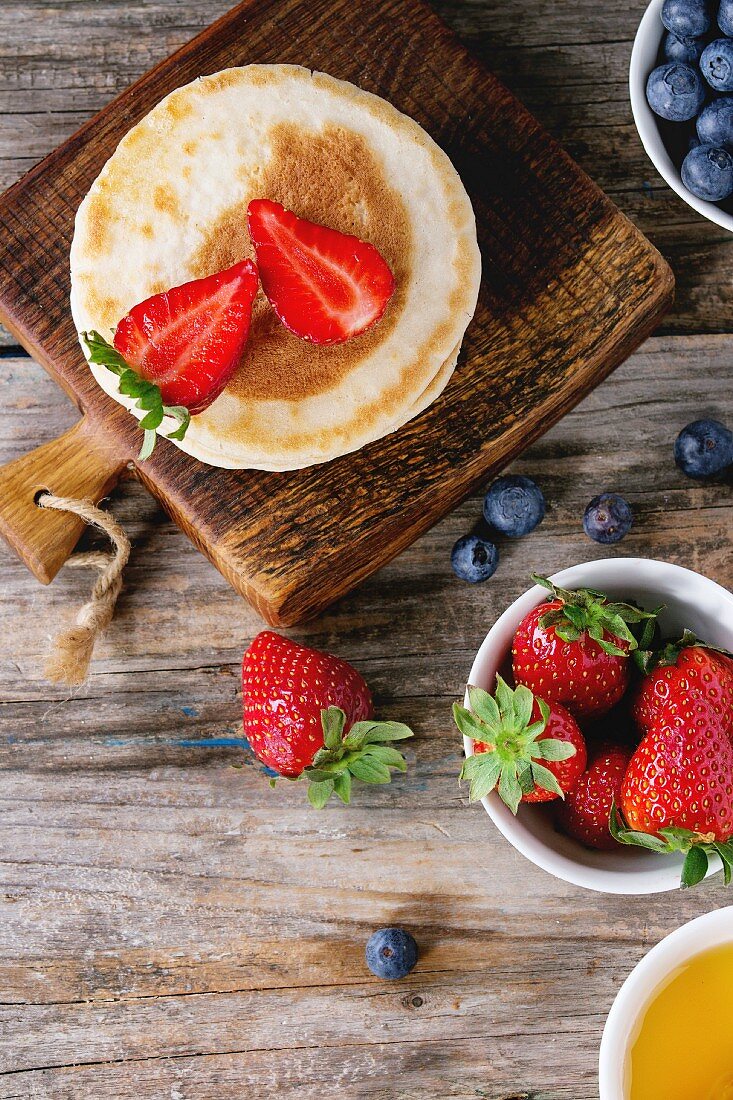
<point>523,706</point>
<point>385,754</point>
<point>147,395</point>
<point>587,611</point>
<point>342,786</point>
<point>483,706</point>
<point>319,793</point>
<point>695,867</point>
<point>182,415</point>
<point>369,770</point>
<point>151,420</point>
<point>482,775</point>
<point>697,847</point>
<point>504,697</point>
<point>387,731</point>
<point>524,776</point>
<point>333,720</point>
<point>471,726</point>
<point>551,748</point>
<point>361,755</point>
<point>544,778</point>
<point>148,445</point>
<point>510,790</point>
<point>725,851</point>
<point>510,744</point>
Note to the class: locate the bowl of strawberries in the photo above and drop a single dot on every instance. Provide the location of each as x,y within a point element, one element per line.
<point>598,726</point>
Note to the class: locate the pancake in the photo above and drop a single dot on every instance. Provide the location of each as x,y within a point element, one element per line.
<point>425,400</point>
<point>170,205</point>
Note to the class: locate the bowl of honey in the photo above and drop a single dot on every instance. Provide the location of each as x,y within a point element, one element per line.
<point>669,1034</point>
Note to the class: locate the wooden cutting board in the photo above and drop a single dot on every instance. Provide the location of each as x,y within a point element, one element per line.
<point>570,288</point>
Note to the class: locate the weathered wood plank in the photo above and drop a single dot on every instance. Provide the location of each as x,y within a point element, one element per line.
<point>171,927</point>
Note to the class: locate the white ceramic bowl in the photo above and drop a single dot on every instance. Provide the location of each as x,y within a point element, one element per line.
<point>643,60</point>
<point>711,930</point>
<point>690,601</point>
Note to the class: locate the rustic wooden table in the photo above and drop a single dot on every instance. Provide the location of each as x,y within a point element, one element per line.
<point>172,928</point>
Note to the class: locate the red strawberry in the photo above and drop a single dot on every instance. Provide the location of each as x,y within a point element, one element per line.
<point>513,733</point>
<point>574,649</point>
<point>190,340</point>
<point>324,286</point>
<point>686,668</point>
<point>586,811</point>
<point>309,714</point>
<point>677,794</point>
<point>175,352</point>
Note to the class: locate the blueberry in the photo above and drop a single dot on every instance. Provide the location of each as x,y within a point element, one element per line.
<point>715,122</point>
<point>725,17</point>
<point>391,953</point>
<point>703,448</point>
<point>514,505</point>
<point>686,50</point>
<point>707,171</point>
<point>687,18</point>
<point>675,91</point>
<point>474,559</point>
<point>716,64</point>
<point>607,518</point>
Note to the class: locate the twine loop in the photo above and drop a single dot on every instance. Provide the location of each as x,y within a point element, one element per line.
<point>73,648</point>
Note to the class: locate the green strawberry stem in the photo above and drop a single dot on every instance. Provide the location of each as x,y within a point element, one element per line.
<point>696,847</point>
<point>648,659</point>
<point>148,397</point>
<point>362,754</point>
<point>586,611</point>
<point>512,762</point>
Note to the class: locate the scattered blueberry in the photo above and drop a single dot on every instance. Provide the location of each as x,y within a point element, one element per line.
<point>704,448</point>
<point>725,17</point>
<point>716,64</point>
<point>474,559</point>
<point>707,171</point>
<point>607,518</point>
<point>715,122</point>
<point>686,50</point>
<point>391,953</point>
<point>687,18</point>
<point>692,142</point>
<point>514,505</point>
<point>675,91</point>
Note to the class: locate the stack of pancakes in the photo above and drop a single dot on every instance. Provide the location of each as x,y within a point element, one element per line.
<point>170,206</point>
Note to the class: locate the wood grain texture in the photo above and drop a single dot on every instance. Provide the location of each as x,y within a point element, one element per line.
<point>569,289</point>
<point>172,929</point>
<point>78,465</point>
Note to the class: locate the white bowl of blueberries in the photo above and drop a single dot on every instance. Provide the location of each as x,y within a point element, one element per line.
<point>681,82</point>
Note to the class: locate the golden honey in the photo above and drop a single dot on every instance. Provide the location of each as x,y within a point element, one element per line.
<point>683,1047</point>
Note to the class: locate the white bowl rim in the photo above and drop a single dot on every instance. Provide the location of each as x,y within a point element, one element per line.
<point>693,938</point>
<point>646,121</point>
<point>657,879</point>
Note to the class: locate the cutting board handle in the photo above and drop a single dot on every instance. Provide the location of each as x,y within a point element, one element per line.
<point>78,464</point>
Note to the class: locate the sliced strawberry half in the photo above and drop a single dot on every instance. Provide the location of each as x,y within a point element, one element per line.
<point>189,340</point>
<point>324,286</point>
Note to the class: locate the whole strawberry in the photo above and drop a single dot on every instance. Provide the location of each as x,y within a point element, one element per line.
<point>687,667</point>
<point>677,794</point>
<point>308,715</point>
<point>527,749</point>
<point>575,648</point>
<point>586,811</point>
